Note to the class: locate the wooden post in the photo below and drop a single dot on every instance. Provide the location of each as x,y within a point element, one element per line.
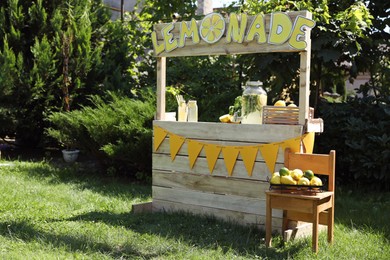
<point>161,83</point>
<point>268,221</point>
<point>304,79</point>
<point>122,9</point>
<point>304,87</point>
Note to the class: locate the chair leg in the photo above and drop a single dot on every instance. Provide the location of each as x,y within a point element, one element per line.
<point>315,229</point>
<point>268,223</point>
<point>330,224</point>
<point>285,221</point>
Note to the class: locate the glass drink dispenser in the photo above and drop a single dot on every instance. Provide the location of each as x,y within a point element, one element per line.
<point>254,98</point>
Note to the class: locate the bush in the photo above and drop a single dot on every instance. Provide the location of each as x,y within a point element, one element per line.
<point>359,131</point>
<point>118,133</point>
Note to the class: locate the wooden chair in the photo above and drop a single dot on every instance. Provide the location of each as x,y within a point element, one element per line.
<point>317,208</point>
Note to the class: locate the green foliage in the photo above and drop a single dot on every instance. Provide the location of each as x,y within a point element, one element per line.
<point>7,57</point>
<point>355,18</point>
<point>71,50</point>
<point>336,40</point>
<point>155,11</point>
<point>214,82</point>
<point>116,132</point>
<point>360,133</point>
<point>47,64</point>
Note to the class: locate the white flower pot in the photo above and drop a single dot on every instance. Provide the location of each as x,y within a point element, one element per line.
<point>70,155</point>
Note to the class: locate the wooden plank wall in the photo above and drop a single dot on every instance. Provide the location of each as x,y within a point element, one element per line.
<point>239,198</point>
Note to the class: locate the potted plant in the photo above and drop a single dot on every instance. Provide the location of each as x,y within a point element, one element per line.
<point>70,155</point>
<point>63,131</point>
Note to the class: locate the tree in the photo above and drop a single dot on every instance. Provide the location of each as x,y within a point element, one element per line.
<point>48,50</point>
<point>375,52</point>
<point>336,42</point>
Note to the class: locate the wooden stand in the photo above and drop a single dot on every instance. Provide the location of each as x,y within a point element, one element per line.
<point>237,197</point>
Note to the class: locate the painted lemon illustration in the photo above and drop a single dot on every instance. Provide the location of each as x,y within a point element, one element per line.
<point>212,27</point>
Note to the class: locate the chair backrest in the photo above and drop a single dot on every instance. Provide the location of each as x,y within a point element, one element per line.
<point>322,164</point>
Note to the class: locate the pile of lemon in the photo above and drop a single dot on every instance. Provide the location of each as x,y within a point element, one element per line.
<point>282,103</point>
<point>226,118</point>
<point>295,177</point>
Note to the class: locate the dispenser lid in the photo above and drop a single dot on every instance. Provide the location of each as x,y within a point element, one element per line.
<point>254,83</point>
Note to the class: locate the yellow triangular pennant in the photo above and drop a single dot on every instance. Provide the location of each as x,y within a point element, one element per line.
<point>159,136</point>
<point>230,154</point>
<point>194,148</point>
<point>270,154</point>
<point>248,154</point>
<point>212,153</point>
<point>308,142</point>
<point>175,143</point>
<point>294,144</point>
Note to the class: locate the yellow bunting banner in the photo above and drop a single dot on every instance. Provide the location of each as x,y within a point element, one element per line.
<point>248,155</point>
<point>230,154</point>
<point>194,148</point>
<point>212,153</point>
<point>159,136</point>
<point>270,154</point>
<point>294,144</point>
<point>175,143</point>
<point>308,142</point>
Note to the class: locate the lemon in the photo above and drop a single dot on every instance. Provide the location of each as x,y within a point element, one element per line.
<point>225,118</point>
<point>304,181</point>
<point>275,179</point>
<point>284,171</point>
<point>309,174</point>
<point>315,181</point>
<point>275,174</point>
<point>287,179</point>
<point>296,174</point>
<point>212,27</point>
<point>292,105</point>
<point>280,103</point>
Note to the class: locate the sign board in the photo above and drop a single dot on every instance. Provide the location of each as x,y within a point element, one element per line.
<point>237,34</point>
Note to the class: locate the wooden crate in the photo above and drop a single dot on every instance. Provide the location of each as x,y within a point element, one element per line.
<point>239,197</point>
<point>283,115</point>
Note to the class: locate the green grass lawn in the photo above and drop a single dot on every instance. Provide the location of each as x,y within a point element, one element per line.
<point>52,213</point>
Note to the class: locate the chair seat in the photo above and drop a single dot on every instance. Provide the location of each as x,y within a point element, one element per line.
<point>300,203</point>
<point>316,196</point>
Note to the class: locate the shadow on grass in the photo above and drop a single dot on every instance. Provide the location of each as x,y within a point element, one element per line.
<point>84,176</point>
<point>200,231</point>
<point>363,210</point>
<point>74,243</point>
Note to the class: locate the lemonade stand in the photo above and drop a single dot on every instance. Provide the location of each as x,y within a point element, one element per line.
<point>223,169</point>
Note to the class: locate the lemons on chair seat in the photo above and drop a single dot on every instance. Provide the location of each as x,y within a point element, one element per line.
<point>309,174</point>
<point>275,179</point>
<point>284,171</point>
<point>304,181</point>
<point>288,180</point>
<point>296,174</point>
<point>315,181</point>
